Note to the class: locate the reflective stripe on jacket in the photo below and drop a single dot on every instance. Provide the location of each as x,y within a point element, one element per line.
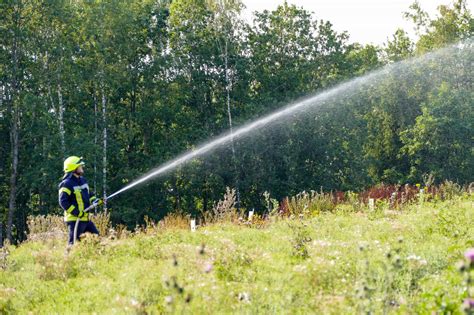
<point>74,197</point>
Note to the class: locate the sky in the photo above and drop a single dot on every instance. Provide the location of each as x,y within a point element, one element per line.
<point>367,21</point>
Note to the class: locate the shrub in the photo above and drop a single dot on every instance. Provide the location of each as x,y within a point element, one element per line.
<point>353,199</point>
<point>44,227</point>
<point>273,206</point>
<point>398,196</point>
<point>257,221</point>
<point>102,222</point>
<point>4,252</point>
<point>224,210</point>
<point>449,190</point>
<point>300,237</point>
<point>175,220</point>
<point>311,203</point>
<point>120,231</point>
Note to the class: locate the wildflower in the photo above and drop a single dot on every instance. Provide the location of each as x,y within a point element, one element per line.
<point>208,267</point>
<point>417,259</point>
<point>168,299</point>
<point>413,257</point>
<point>244,297</point>
<point>468,304</point>
<point>470,255</point>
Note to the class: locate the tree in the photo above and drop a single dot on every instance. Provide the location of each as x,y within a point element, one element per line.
<point>399,48</point>
<point>12,45</point>
<point>453,24</point>
<point>441,141</point>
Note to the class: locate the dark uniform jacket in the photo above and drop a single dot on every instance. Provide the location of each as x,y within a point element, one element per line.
<point>74,197</point>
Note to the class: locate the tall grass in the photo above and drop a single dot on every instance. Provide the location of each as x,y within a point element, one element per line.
<point>305,204</point>
<point>324,254</point>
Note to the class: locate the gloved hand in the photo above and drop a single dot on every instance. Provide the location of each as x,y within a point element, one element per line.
<point>98,202</point>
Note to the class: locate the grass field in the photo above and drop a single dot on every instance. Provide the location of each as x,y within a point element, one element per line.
<point>339,262</point>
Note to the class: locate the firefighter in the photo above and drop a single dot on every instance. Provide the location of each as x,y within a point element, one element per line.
<point>74,197</point>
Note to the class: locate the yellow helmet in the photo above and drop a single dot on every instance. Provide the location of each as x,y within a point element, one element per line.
<point>72,162</point>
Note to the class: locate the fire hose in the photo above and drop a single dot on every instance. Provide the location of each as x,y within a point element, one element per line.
<point>91,207</point>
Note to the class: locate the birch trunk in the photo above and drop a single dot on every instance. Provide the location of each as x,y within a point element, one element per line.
<point>59,111</point>
<point>14,138</point>
<point>229,113</point>
<point>14,126</point>
<point>62,132</point>
<point>95,141</point>
<point>104,160</point>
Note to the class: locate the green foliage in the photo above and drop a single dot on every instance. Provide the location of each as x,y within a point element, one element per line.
<point>310,204</point>
<point>453,23</point>
<point>233,268</point>
<point>437,142</point>
<point>399,47</point>
<point>300,237</point>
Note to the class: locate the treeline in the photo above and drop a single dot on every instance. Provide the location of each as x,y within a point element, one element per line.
<point>130,85</point>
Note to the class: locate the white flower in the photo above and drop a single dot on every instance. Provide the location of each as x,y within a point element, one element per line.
<point>419,260</point>
<point>244,297</point>
<point>413,257</point>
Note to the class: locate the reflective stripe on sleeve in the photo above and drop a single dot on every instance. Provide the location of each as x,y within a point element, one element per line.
<point>64,189</point>
<point>70,209</point>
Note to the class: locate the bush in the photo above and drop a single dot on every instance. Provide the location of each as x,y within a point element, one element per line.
<point>311,203</point>
<point>299,238</point>
<point>224,210</point>
<point>175,220</point>
<point>102,222</point>
<point>449,190</point>
<point>44,227</point>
